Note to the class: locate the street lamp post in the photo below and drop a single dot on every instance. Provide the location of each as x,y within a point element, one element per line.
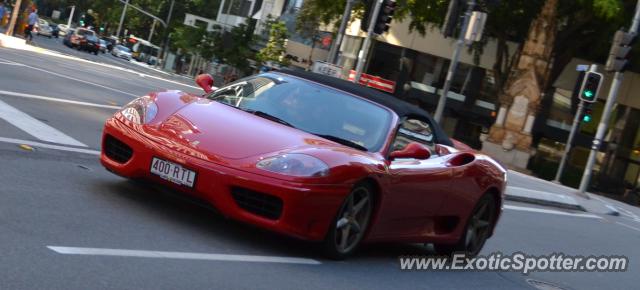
<point>333,53</point>
<point>124,12</point>
<point>454,63</point>
<point>73,10</point>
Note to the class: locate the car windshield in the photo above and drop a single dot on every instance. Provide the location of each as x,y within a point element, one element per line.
<point>320,110</point>
<point>123,48</point>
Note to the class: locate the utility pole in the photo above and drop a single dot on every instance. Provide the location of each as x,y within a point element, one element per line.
<point>454,62</point>
<point>153,27</point>
<point>606,114</point>
<point>333,53</point>
<point>165,48</point>
<point>124,12</point>
<point>574,129</point>
<point>14,18</point>
<point>73,10</point>
<point>364,52</point>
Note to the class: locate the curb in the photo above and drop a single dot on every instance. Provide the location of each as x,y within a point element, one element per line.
<point>545,202</point>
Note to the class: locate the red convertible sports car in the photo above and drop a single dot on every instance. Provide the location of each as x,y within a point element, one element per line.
<point>313,157</point>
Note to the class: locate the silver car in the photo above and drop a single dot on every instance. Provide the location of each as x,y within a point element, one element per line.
<point>121,52</point>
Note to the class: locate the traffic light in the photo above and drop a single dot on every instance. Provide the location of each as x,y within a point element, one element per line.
<point>385,16</point>
<point>620,49</point>
<point>590,87</point>
<point>387,9</point>
<point>81,22</point>
<point>587,113</point>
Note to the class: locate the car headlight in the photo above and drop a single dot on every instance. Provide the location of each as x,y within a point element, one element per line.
<point>140,111</point>
<point>295,164</point>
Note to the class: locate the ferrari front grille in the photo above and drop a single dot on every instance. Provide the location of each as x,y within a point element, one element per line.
<point>261,204</point>
<point>116,150</point>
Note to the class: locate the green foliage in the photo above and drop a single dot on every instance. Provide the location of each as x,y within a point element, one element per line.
<point>275,49</point>
<point>234,47</point>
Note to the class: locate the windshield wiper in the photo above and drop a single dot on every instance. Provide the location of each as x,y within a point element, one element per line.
<point>343,141</point>
<point>267,116</point>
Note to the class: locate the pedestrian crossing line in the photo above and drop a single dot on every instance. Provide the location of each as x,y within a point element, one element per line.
<point>34,127</point>
<point>48,146</point>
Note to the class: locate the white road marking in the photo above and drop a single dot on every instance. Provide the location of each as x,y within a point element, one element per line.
<point>549,211</point>
<point>48,146</point>
<point>34,127</point>
<point>180,255</point>
<point>117,67</point>
<point>36,97</point>
<point>76,79</point>
<point>628,226</point>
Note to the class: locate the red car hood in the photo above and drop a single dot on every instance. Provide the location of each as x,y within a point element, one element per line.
<point>221,131</point>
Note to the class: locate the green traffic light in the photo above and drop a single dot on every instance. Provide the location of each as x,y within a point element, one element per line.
<point>588,94</point>
<point>586,118</point>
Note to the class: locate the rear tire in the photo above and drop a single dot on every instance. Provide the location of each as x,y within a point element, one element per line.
<point>477,230</point>
<point>350,224</point>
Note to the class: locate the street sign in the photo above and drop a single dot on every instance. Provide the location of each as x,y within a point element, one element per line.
<point>374,82</point>
<point>476,27</point>
<point>325,68</point>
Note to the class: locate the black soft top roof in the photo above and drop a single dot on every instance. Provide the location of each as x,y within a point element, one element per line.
<point>400,107</point>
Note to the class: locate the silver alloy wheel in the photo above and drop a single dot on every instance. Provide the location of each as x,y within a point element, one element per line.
<point>353,220</point>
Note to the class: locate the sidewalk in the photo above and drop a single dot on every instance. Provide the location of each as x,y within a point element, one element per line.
<point>529,189</point>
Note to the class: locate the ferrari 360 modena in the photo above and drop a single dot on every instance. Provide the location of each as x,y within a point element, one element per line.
<point>313,157</point>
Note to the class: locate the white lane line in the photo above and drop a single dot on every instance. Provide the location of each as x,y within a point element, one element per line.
<point>628,226</point>
<point>180,255</point>
<point>36,97</point>
<point>48,146</point>
<point>549,211</point>
<point>34,127</point>
<point>75,79</point>
<point>117,67</point>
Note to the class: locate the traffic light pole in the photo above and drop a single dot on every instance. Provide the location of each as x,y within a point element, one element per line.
<point>364,52</point>
<point>333,53</point>
<point>454,62</point>
<point>567,147</point>
<point>606,114</point>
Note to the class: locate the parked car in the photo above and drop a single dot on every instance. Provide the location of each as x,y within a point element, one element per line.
<point>69,38</point>
<point>90,43</point>
<point>314,157</point>
<point>54,30</point>
<point>121,51</point>
<point>103,45</point>
<point>44,30</point>
<point>110,42</point>
<point>64,29</point>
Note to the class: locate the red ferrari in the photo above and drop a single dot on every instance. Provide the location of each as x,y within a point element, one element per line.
<point>313,157</point>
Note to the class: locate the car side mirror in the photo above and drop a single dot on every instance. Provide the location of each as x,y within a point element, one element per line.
<point>205,81</point>
<point>413,150</point>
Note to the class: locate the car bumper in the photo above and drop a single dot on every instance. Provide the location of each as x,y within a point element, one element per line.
<point>306,209</point>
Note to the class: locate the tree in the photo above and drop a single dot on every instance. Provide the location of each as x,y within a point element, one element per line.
<point>308,24</point>
<point>234,47</point>
<point>275,49</point>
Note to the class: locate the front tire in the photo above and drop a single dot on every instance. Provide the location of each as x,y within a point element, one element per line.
<point>477,230</point>
<point>350,224</point>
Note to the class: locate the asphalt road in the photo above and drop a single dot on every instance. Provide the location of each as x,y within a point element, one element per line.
<point>61,197</point>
